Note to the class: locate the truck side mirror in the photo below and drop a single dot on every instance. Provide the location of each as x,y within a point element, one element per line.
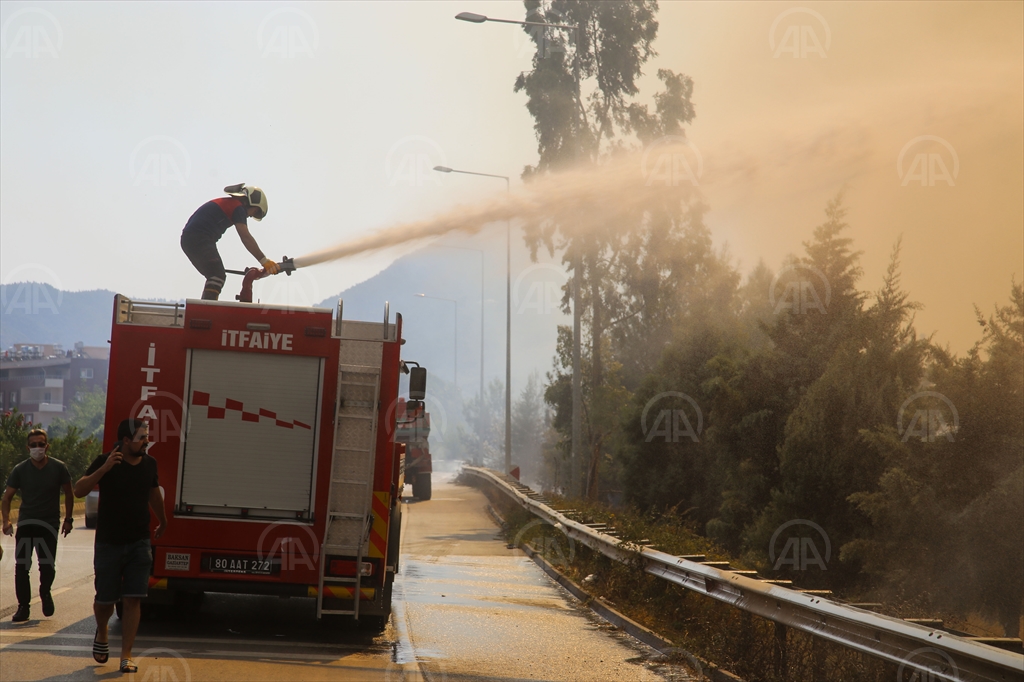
<point>417,383</point>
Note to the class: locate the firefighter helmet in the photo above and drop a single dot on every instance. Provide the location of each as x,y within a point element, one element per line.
<point>254,196</point>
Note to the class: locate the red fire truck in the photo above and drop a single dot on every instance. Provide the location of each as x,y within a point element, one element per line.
<point>413,429</point>
<point>273,428</point>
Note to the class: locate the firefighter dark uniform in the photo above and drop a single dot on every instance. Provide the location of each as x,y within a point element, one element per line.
<point>209,223</point>
<point>202,231</point>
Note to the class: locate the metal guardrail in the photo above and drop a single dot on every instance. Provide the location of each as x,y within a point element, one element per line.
<point>917,648</point>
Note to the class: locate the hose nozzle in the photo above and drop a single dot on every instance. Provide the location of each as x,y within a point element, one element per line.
<point>287,265</point>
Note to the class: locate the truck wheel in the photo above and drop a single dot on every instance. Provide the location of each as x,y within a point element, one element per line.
<point>118,608</point>
<point>421,486</point>
<point>90,521</point>
<point>189,603</point>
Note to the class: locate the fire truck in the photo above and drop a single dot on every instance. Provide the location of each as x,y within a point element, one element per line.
<point>273,429</point>
<point>413,429</point>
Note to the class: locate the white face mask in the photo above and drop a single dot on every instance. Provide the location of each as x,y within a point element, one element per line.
<point>37,454</point>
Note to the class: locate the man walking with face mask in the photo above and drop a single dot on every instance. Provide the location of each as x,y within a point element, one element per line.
<point>40,479</point>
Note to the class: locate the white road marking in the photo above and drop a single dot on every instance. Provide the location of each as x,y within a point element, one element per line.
<point>53,593</point>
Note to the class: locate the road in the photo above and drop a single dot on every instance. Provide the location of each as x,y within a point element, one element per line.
<point>466,608</point>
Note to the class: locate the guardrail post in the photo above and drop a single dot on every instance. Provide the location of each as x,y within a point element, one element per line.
<point>818,658</point>
<point>746,633</point>
<point>779,657</point>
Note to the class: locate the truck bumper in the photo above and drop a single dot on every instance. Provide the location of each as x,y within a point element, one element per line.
<point>157,585</point>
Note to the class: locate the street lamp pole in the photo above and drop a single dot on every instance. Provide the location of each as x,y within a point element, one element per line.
<point>455,329</point>
<point>508,319</point>
<point>577,403</point>
<point>480,424</point>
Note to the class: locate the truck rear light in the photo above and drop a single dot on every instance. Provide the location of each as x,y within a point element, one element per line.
<point>345,568</point>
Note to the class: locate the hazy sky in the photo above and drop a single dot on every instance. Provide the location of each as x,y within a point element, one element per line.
<point>117,120</point>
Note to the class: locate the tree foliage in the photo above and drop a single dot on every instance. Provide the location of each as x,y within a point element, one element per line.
<point>625,266</point>
<point>744,406</point>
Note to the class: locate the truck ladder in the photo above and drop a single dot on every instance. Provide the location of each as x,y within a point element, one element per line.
<point>355,444</point>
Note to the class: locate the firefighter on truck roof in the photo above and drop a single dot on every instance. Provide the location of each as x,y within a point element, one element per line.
<point>208,224</point>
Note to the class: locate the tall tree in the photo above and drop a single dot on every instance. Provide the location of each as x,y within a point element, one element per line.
<point>613,41</point>
<point>871,358</point>
<point>945,514</point>
<point>528,425</point>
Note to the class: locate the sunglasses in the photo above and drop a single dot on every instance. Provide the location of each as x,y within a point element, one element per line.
<point>37,444</point>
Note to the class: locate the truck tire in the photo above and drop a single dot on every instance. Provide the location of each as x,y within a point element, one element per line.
<point>421,486</point>
<point>90,520</point>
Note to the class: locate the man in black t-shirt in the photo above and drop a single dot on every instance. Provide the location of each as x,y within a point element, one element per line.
<point>40,479</point>
<point>122,558</point>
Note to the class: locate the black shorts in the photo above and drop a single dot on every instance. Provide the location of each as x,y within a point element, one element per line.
<point>202,251</point>
<point>121,570</point>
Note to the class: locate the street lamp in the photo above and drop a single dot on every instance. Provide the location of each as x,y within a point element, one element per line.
<point>480,426</point>
<point>577,284</point>
<point>508,317</point>
<point>455,357</point>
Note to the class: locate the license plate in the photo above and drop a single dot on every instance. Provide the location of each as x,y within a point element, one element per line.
<point>243,565</point>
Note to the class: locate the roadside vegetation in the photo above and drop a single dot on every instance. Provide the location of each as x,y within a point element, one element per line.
<point>746,645</point>
<point>775,407</point>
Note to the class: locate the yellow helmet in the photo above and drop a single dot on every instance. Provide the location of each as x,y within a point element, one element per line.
<point>255,197</point>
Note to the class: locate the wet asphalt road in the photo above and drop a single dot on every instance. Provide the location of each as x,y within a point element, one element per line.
<point>466,608</point>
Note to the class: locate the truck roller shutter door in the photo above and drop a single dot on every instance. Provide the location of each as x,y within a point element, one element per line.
<point>251,433</point>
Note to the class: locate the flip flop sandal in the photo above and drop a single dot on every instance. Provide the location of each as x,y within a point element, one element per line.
<point>100,650</point>
<point>128,666</point>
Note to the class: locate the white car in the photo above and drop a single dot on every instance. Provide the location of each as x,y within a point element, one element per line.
<point>92,508</point>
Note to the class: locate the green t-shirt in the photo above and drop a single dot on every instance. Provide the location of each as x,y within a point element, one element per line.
<point>40,490</point>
